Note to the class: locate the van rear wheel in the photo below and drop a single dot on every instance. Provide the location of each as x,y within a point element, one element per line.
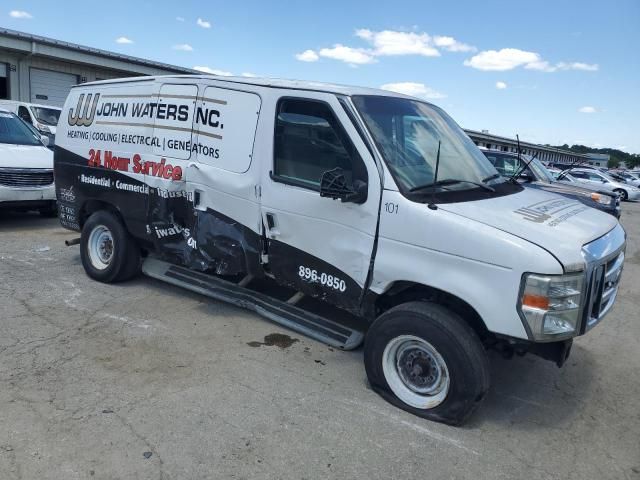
<point>425,359</point>
<point>108,252</point>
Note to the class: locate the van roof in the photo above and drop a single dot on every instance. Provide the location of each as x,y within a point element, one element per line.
<point>263,82</point>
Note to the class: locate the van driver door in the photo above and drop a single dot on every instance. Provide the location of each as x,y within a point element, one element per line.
<point>318,245</point>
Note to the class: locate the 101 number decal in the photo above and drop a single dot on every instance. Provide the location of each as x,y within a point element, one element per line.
<point>323,279</point>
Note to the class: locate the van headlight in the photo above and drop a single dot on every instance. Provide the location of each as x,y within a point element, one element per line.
<point>551,305</point>
<point>600,198</point>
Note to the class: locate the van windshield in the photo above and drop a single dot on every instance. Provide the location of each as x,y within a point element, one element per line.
<point>48,116</point>
<point>408,132</point>
<point>14,131</point>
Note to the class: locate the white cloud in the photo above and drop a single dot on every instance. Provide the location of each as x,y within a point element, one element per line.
<point>587,67</point>
<point>510,58</point>
<point>413,89</point>
<point>390,42</point>
<point>248,75</point>
<point>541,65</point>
<point>213,71</point>
<point>184,47</point>
<point>20,14</point>
<point>124,40</point>
<point>307,56</point>
<point>500,60</point>
<point>180,19</point>
<point>203,23</point>
<point>501,85</point>
<point>352,56</point>
<point>587,109</point>
<point>452,45</point>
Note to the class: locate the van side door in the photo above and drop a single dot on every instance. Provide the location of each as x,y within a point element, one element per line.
<point>318,245</point>
<point>222,181</point>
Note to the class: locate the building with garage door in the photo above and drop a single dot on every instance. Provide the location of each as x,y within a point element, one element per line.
<point>42,70</point>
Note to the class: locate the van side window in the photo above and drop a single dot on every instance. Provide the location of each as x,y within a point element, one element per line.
<point>309,140</point>
<point>23,113</point>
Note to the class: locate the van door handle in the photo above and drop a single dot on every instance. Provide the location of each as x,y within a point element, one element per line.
<point>272,225</point>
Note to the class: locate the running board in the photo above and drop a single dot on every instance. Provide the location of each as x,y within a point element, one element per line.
<point>283,313</point>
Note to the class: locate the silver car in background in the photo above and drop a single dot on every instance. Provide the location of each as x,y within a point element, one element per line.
<point>593,177</point>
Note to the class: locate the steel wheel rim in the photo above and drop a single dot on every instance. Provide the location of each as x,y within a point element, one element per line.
<point>415,371</point>
<point>100,247</point>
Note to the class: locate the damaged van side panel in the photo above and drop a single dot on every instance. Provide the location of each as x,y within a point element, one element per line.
<point>137,152</point>
<point>179,163</point>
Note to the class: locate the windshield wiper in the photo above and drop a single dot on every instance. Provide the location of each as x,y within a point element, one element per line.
<point>488,179</point>
<point>450,181</point>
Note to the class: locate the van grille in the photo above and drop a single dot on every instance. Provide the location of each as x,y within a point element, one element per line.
<point>26,177</point>
<point>604,288</point>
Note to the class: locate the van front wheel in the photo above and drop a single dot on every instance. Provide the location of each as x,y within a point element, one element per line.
<point>108,252</point>
<point>426,360</point>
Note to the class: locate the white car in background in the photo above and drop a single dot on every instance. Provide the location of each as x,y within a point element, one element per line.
<point>596,178</point>
<point>26,168</point>
<point>44,118</point>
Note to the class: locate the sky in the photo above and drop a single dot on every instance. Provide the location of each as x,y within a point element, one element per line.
<point>556,72</point>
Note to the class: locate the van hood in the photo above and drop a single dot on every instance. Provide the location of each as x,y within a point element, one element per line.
<point>558,224</point>
<point>25,156</point>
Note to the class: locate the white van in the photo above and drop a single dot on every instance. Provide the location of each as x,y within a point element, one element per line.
<point>43,118</point>
<point>347,214</point>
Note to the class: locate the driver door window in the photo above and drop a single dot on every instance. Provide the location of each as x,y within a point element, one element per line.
<point>308,142</point>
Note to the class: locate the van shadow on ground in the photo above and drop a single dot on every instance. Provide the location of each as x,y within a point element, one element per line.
<point>529,392</point>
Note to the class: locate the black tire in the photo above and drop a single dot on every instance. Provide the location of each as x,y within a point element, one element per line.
<point>456,344</point>
<point>124,260</point>
<point>622,193</point>
<point>50,211</point>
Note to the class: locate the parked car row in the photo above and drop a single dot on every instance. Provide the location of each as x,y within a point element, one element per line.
<point>532,173</point>
<point>599,179</point>
<point>44,118</point>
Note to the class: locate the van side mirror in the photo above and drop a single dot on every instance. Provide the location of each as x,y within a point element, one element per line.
<point>333,184</point>
<point>45,140</point>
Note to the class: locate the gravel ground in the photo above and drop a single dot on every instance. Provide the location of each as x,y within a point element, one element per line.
<point>145,381</point>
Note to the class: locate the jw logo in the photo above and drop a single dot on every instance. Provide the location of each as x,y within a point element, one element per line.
<point>84,118</point>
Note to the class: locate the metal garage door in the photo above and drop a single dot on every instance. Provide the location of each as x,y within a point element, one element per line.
<point>50,88</point>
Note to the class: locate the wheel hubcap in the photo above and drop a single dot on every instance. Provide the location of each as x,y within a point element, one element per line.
<point>100,247</point>
<point>415,371</point>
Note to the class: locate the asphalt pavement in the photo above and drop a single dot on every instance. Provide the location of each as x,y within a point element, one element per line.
<point>142,380</point>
